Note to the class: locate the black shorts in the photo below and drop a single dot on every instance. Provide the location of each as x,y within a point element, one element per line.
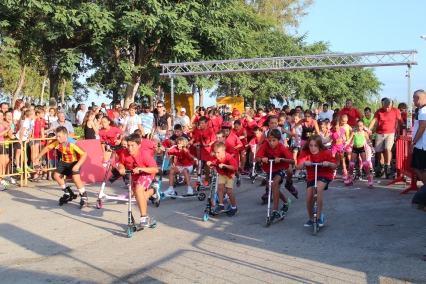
<point>358,150</point>
<point>323,179</point>
<point>419,199</point>
<point>33,142</point>
<point>418,159</point>
<point>3,150</point>
<point>66,168</point>
<point>280,173</point>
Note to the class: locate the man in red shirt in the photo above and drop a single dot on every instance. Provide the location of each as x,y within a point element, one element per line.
<point>204,138</point>
<point>144,169</point>
<point>352,113</point>
<point>386,121</point>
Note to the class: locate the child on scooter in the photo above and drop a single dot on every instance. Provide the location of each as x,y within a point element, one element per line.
<point>226,168</point>
<point>144,169</point>
<point>273,149</point>
<point>69,164</point>
<point>358,138</point>
<point>233,145</point>
<point>183,163</point>
<point>314,151</point>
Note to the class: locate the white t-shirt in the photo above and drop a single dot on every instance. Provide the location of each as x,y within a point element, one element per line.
<point>421,144</point>
<point>323,115</point>
<point>80,116</point>
<point>16,115</point>
<point>28,125</point>
<point>182,120</point>
<point>132,123</point>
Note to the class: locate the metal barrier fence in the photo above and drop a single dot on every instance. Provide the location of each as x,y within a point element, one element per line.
<point>31,149</point>
<point>7,160</point>
<point>403,160</point>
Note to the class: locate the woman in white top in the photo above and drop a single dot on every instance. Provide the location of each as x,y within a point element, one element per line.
<point>17,111</point>
<point>50,117</point>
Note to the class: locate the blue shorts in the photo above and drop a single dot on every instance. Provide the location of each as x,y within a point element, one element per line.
<point>323,179</point>
<point>281,173</point>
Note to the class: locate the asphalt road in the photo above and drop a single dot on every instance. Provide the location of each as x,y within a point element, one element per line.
<point>370,236</point>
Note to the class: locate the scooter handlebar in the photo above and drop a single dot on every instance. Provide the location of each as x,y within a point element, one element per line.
<point>129,172</point>
<point>316,164</point>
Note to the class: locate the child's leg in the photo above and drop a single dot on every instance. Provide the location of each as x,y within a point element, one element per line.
<point>142,195</point>
<point>352,163</point>
<point>320,188</point>
<point>243,160</point>
<point>231,196</point>
<point>186,177</point>
<point>59,178</point>
<point>310,202</point>
<point>17,156</point>
<point>276,191</point>
<point>220,189</point>
<point>172,173</point>
<point>207,172</point>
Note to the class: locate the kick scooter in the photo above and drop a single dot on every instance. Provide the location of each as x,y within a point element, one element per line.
<point>132,227</point>
<point>210,211</point>
<point>269,218</point>
<point>315,225</point>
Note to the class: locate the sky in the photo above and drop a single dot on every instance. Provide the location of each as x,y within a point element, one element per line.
<point>352,26</point>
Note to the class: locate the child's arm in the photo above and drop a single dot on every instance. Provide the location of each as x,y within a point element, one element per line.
<point>21,134</point>
<point>145,170</point>
<point>229,167</point>
<point>285,160</point>
<point>41,154</point>
<point>80,162</point>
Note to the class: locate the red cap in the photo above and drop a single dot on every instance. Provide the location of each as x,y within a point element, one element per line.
<point>226,124</point>
<point>235,112</point>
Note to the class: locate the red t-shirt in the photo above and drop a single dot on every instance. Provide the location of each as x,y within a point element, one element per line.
<point>232,141</point>
<point>279,152</point>
<point>204,137</point>
<point>183,158</point>
<point>215,124</point>
<point>256,118</point>
<point>167,144</point>
<point>111,135</point>
<point>254,141</point>
<point>228,160</point>
<point>112,113</point>
<point>142,160</point>
<point>39,124</point>
<point>249,126</point>
<point>148,146</point>
<point>353,115</point>
<point>262,120</point>
<point>239,134</point>
<point>386,120</point>
<point>324,155</point>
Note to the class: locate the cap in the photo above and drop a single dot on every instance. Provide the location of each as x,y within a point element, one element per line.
<point>226,124</point>
<point>183,109</point>
<point>235,112</point>
<point>145,106</point>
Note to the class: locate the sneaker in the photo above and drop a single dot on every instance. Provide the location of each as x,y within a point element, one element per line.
<point>320,222</point>
<point>238,182</point>
<point>232,212</point>
<point>265,195</point>
<point>19,170</point>
<point>276,215</point>
<point>169,191</point>
<point>155,196</point>
<point>219,208</point>
<point>286,205</point>
<point>2,187</point>
<point>190,191</point>
<point>29,169</point>
<point>206,183</point>
<point>309,223</point>
<point>144,222</point>
<point>5,183</point>
<point>290,187</point>
<point>370,181</point>
<point>10,180</point>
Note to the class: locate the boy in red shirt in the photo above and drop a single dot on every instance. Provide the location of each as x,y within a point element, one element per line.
<point>314,151</point>
<point>204,138</point>
<point>144,169</point>
<point>233,145</point>
<point>242,135</point>
<point>183,163</point>
<point>226,168</point>
<point>39,124</point>
<point>273,149</point>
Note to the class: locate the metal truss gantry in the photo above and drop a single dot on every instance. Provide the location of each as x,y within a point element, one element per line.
<point>287,63</point>
<point>292,63</point>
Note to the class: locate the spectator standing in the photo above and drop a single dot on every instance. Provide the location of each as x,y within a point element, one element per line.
<point>147,118</point>
<point>386,122</point>
<point>89,126</point>
<point>19,104</point>
<point>61,122</point>
<point>4,107</point>
<point>162,122</point>
<point>183,120</point>
<point>326,113</point>
<point>79,117</point>
<point>133,121</point>
<point>352,113</point>
<point>418,146</point>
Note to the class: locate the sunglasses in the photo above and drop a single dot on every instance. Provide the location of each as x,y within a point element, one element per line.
<point>159,106</point>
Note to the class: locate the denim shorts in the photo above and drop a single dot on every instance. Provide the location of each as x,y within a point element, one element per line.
<point>323,179</point>
<point>281,173</point>
<point>161,136</point>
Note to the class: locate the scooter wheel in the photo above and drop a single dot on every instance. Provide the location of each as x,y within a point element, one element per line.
<point>206,216</point>
<point>129,232</point>
<point>162,196</point>
<point>154,224</point>
<point>99,204</point>
<point>157,203</point>
<point>201,196</point>
<point>198,187</point>
<point>268,222</point>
